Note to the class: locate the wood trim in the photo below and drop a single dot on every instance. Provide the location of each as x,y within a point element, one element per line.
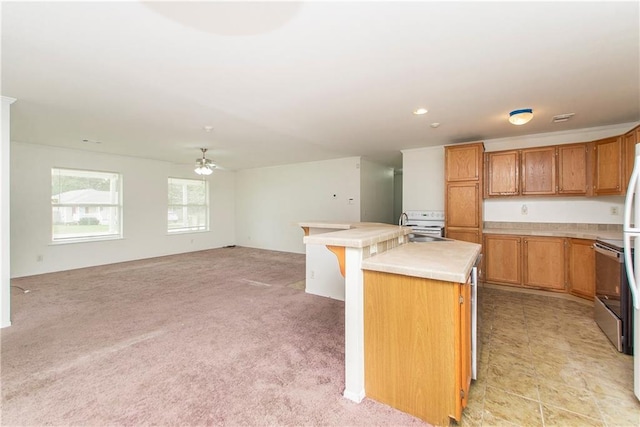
<point>306,231</point>
<point>339,253</point>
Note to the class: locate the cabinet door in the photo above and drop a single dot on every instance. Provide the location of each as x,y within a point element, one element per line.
<point>607,173</point>
<point>412,345</point>
<point>502,173</point>
<point>582,268</point>
<point>502,259</point>
<point>543,262</point>
<point>463,204</point>
<point>463,162</point>
<point>572,169</point>
<point>472,235</point>
<point>465,346</point>
<point>629,148</point>
<point>538,171</point>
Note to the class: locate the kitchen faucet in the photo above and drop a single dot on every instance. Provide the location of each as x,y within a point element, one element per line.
<point>403,215</point>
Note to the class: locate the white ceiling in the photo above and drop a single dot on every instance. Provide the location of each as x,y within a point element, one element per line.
<point>291,82</point>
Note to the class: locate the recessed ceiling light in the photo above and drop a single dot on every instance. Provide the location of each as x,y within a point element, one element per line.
<point>420,111</point>
<point>434,125</point>
<point>208,128</point>
<point>562,117</point>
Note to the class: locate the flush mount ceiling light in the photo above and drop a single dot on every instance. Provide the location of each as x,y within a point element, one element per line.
<point>420,111</point>
<point>520,117</point>
<point>204,166</point>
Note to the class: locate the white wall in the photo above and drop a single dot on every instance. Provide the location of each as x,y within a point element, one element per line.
<point>423,179</point>
<point>5,211</point>
<point>423,183</point>
<point>376,192</point>
<point>144,210</point>
<point>397,195</point>
<point>271,201</point>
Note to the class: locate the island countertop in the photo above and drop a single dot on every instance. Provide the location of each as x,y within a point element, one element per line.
<point>449,261</point>
<point>353,235</point>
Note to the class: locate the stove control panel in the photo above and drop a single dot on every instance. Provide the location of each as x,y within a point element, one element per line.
<point>426,215</point>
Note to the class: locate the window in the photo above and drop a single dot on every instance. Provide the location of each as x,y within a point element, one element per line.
<point>85,205</point>
<point>188,205</point>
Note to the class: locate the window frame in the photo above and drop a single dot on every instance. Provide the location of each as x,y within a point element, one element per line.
<point>118,206</point>
<point>171,208</point>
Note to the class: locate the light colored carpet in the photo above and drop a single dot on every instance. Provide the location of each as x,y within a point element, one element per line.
<point>218,337</point>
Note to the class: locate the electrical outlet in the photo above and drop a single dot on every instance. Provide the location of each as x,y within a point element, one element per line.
<point>39,258</point>
<point>614,210</point>
<point>524,210</point>
<point>312,274</point>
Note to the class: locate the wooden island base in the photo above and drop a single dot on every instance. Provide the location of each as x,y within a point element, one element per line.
<point>417,344</point>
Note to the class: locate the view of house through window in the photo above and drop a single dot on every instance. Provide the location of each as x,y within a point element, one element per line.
<point>85,205</point>
<point>188,205</point>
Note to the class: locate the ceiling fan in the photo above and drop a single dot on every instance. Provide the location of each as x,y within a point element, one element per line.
<point>204,166</point>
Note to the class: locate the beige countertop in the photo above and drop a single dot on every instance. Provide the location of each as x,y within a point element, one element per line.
<point>576,234</point>
<point>358,235</point>
<point>449,261</point>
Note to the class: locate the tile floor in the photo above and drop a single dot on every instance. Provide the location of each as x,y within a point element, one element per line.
<point>545,362</point>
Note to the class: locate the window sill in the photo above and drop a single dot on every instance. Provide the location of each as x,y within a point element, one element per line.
<point>85,240</point>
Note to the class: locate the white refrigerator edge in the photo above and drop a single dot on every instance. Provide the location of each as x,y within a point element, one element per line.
<point>631,230</point>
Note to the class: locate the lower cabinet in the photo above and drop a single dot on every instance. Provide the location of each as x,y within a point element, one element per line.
<point>417,345</point>
<point>551,263</point>
<point>502,259</point>
<point>543,263</point>
<point>582,268</point>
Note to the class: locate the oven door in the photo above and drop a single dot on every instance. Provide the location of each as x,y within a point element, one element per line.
<point>610,275</point>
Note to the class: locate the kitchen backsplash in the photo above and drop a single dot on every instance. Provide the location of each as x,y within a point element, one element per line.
<point>552,226</point>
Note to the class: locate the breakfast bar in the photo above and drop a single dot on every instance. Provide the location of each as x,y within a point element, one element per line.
<point>384,255</point>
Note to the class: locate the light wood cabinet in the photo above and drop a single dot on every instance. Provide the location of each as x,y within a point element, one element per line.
<point>549,263</point>
<point>502,259</point>
<point>573,164</point>
<point>629,142</point>
<point>417,345</point>
<point>503,173</point>
<point>607,166</point>
<point>472,235</point>
<point>538,171</point>
<point>582,268</point>
<point>463,162</point>
<point>543,262</point>
<point>462,203</point>
<point>464,175</point>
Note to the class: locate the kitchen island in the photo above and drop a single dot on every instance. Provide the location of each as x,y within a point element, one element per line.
<point>379,259</point>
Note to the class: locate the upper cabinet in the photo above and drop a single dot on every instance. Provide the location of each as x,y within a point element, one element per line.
<point>608,166</point>
<point>597,168</point>
<point>463,163</point>
<point>630,139</point>
<point>573,164</point>
<point>502,170</point>
<point>538,171</point>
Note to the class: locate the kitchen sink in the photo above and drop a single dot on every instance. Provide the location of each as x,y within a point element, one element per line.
<point>426,238</point>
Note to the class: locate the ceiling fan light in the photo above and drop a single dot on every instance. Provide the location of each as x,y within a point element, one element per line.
<point>520,117</point>
<point>204,166</point>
